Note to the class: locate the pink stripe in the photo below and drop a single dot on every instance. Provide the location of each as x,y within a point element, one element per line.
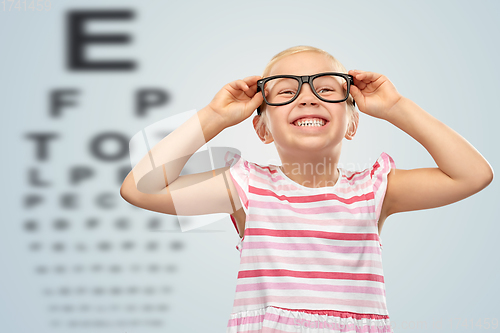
<point>289,187</point>
<point>357,176</point>
<point>307,261</point>
<point>331,208</point>
<point>280,320</point>
<point>307,286</point>
<point>246,320</point>
<point>312,233</point>
<point>309,300</point>
<point>311,198</point>
<point>310,274</point>
<point>292,219</point>
<point>375,167</point>
<point>311,247</point>
<point>381,173</point>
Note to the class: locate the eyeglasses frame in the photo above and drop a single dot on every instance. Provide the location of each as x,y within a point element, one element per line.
<point>304,79</point>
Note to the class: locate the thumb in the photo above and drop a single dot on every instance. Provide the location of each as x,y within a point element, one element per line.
<point>356,94</point>
<point>255,102</point>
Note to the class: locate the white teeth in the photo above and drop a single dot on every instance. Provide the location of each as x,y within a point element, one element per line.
<point>310,123</point>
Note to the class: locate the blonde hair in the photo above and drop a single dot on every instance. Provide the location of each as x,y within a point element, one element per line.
<point>297,49</point>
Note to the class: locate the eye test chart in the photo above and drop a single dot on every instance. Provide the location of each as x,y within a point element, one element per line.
<point>80,78</point>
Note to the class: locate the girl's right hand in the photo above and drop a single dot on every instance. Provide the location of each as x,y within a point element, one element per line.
<point>237,100</point>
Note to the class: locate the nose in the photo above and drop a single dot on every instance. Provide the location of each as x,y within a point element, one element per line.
<point>306,95</point>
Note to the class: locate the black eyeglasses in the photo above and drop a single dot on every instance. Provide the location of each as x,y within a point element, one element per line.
<point>284,89</point>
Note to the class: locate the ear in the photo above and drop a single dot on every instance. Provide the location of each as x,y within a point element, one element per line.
<point>262,131</point>
<point>353,126</point>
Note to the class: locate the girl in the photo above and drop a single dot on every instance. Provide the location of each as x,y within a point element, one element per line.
<point>310,248</point>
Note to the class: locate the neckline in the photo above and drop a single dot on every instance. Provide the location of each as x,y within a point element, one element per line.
<point>311,188</point>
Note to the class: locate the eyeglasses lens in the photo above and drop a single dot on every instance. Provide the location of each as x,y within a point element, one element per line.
<point>282,90</point>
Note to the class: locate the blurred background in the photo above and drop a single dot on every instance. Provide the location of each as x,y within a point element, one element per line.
<point>80,78</point>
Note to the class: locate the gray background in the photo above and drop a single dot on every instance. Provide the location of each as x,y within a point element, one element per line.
<point>440,264</point>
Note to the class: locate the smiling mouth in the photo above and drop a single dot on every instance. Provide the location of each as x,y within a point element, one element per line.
<point>316,122</point>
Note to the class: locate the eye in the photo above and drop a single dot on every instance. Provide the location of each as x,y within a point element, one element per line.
<point>325,89</point>
<point>286,91</point>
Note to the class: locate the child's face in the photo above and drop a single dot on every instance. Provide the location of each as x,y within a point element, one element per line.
<point>291,138</point>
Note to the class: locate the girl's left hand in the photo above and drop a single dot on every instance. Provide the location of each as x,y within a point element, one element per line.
<point>373,93</point>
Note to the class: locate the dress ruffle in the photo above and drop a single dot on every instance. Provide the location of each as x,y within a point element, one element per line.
<point>275,319</point>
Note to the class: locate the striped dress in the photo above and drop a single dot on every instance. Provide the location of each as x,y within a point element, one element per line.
<point>310,258</point>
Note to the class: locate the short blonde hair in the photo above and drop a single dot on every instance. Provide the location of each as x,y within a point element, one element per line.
<point>297,49</point>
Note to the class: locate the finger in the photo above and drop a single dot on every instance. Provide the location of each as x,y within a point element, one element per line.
<point>238,89</point>
<point>255,102</point>
<point>243,85</point>
<point>239,85</point>
<point>248,86</point>
<point>250,80</point>
<point>252,91</point>
<point>248,91</point>
<point>236,85</point>
<point>359,83</point>
<point>366,77</point>
<point>358,96</point>
<point>355,73</point>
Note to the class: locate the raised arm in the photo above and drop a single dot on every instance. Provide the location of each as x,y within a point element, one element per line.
<point>462,171</point>
<point>154,183</point>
